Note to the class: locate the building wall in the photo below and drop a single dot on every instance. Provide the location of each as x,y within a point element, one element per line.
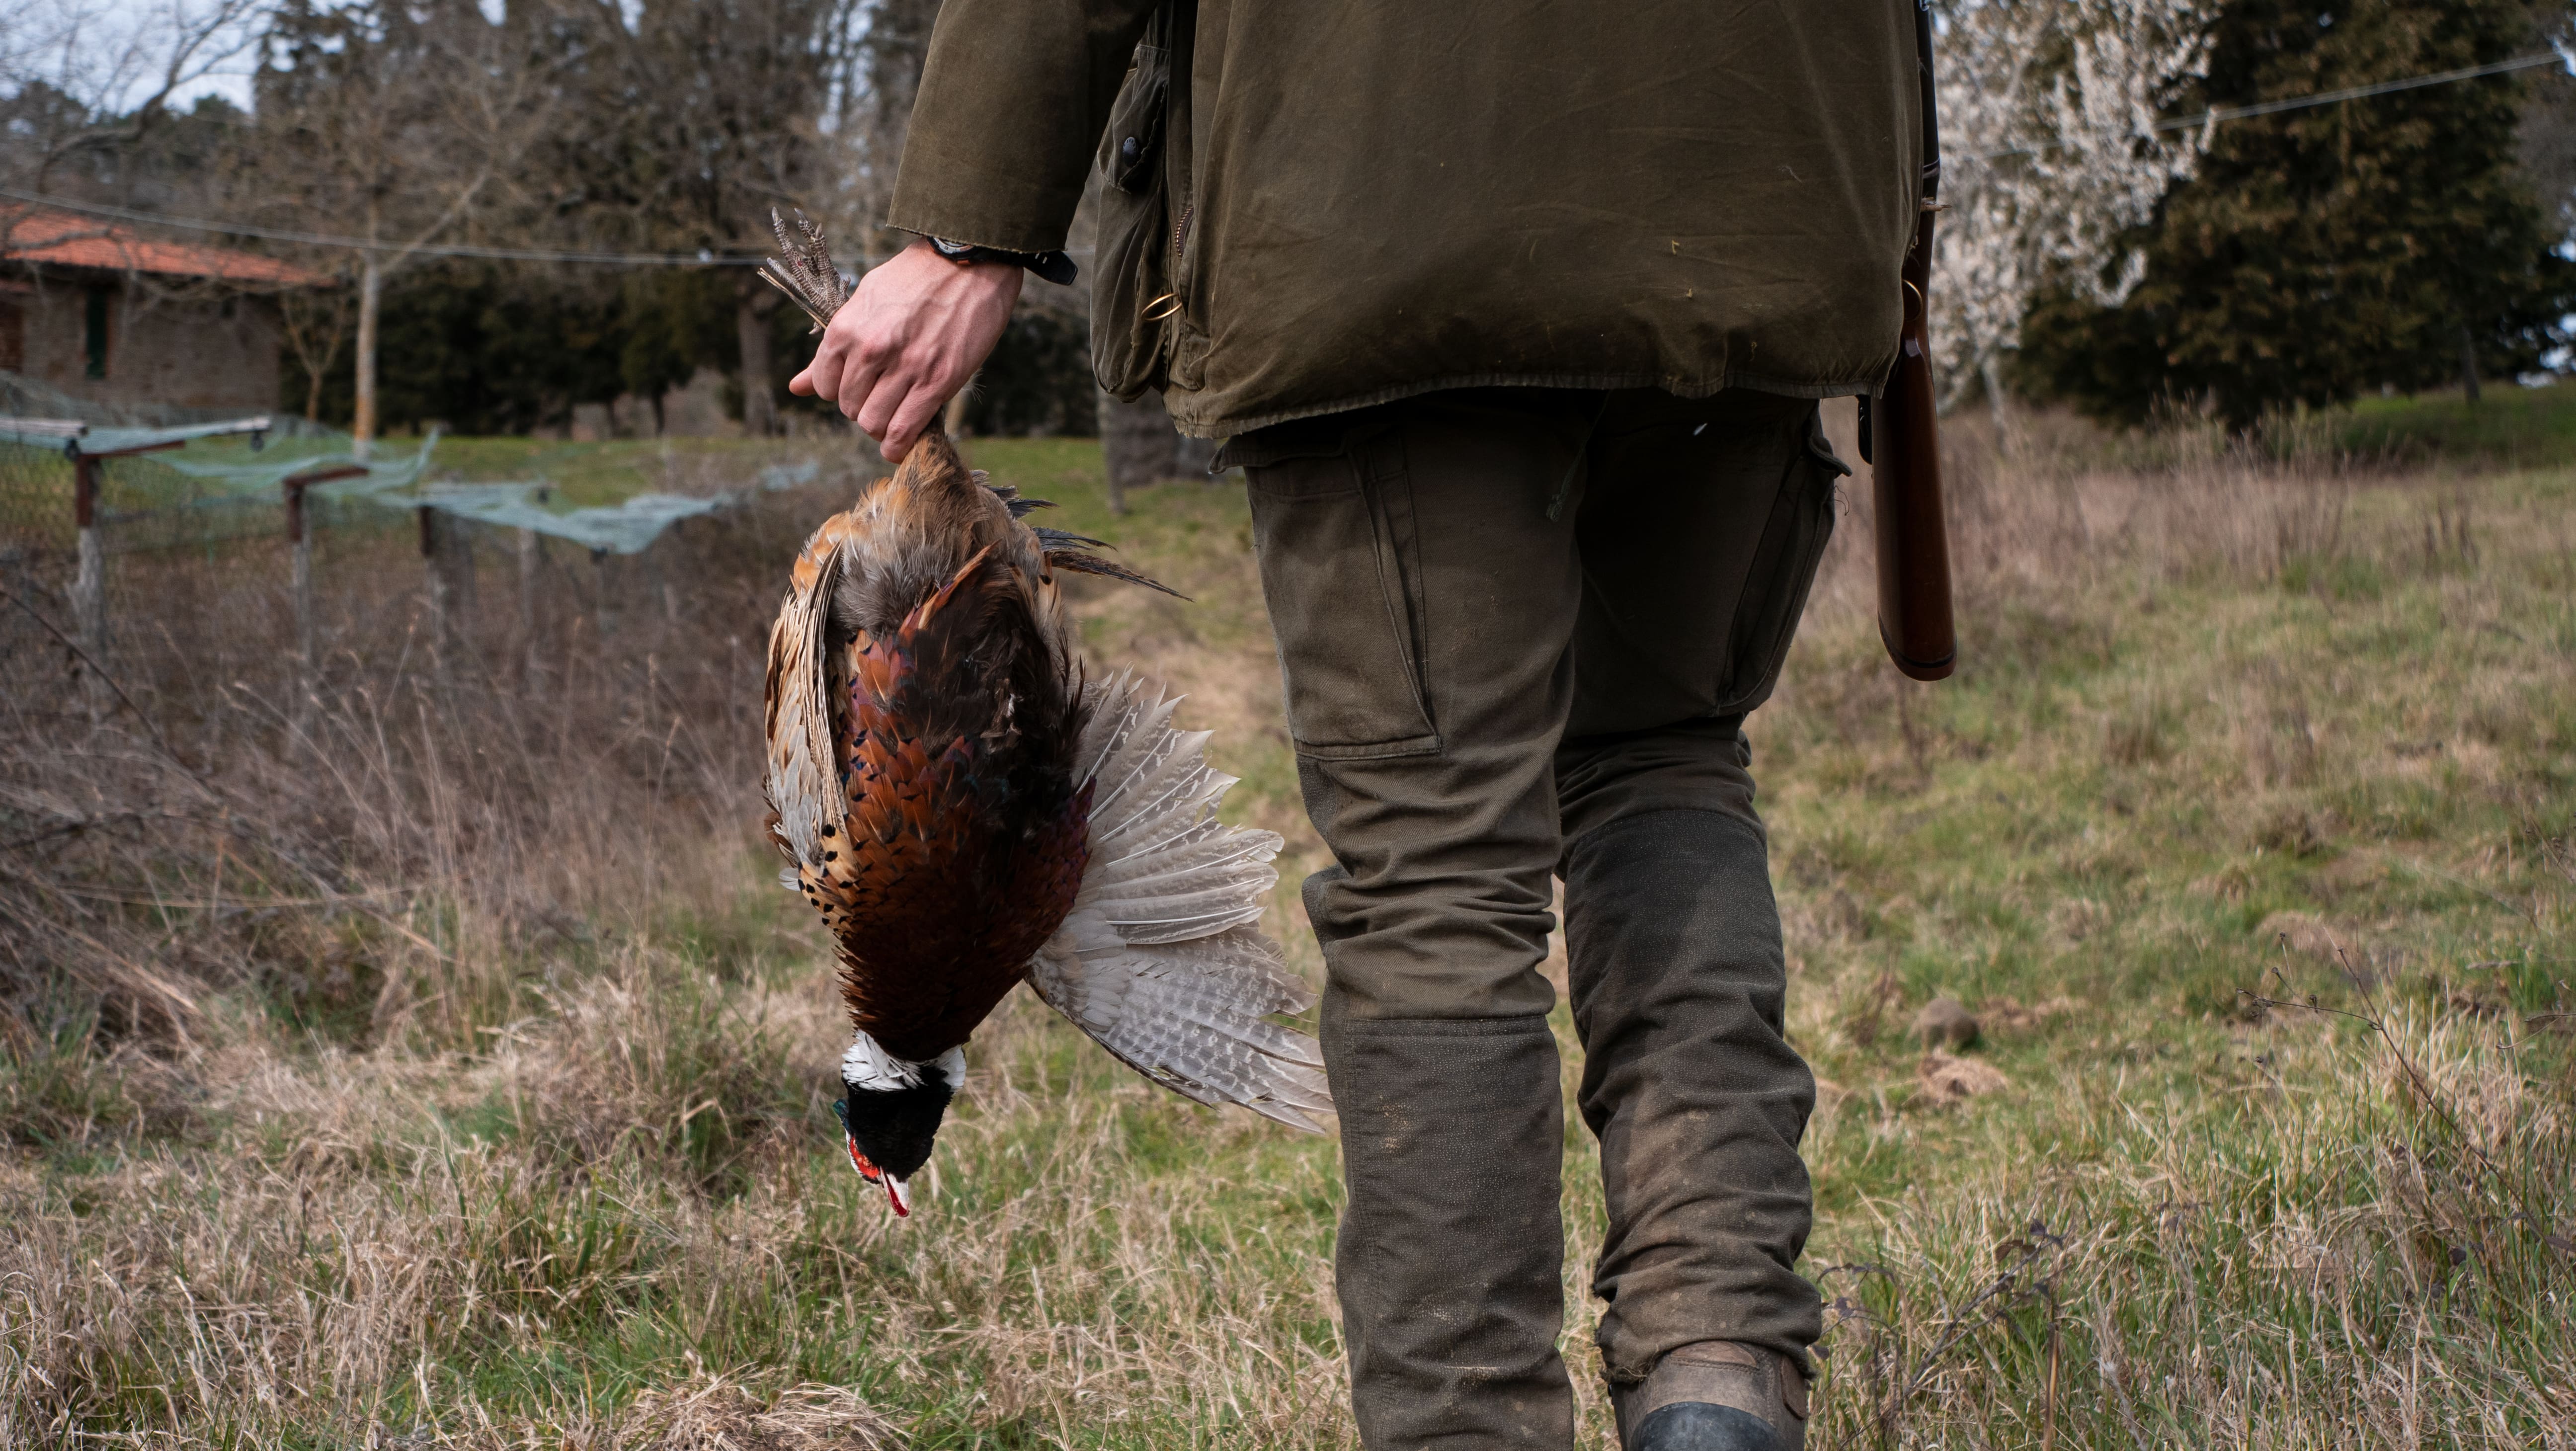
<point>193,352</point>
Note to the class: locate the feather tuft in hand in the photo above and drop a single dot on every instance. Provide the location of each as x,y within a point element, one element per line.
<point>803,269</point>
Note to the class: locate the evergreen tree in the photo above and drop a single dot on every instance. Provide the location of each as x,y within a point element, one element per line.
<point>2322,252</point>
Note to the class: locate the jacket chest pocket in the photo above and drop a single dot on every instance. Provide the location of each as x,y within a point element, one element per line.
<point>1341,574</point>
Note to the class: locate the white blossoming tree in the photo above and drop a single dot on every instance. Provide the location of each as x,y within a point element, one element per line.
<point>2051,150</point>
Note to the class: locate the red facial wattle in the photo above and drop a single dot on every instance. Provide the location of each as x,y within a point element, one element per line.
<point>870,1172</point>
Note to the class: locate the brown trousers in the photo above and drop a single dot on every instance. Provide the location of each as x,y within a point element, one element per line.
<point>1520,630</point>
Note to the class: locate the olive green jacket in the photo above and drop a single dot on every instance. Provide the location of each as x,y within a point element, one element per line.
<point>1355,202</point>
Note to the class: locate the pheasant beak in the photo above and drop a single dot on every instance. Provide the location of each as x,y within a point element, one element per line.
<point>895,1192</point>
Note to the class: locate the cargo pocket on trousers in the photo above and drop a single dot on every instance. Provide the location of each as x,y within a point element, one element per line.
<point>1340,571</point>
<point>1775,588</point>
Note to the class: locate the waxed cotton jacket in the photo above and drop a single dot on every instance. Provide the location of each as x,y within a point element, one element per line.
<point>1344,202</point>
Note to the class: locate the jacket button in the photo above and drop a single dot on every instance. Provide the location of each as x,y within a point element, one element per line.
<point>1129,147</point>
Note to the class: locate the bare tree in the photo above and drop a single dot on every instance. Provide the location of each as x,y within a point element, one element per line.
<point>85,80</point>
<point>393,123</point>
<point>315,325</point>
<point>695,119</point>
<point>2051,149</point>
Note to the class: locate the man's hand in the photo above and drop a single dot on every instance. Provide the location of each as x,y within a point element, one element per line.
<point>916,329</point>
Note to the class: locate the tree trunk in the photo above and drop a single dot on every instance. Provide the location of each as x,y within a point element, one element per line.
<point>1989,370</point>
<point>1139,446</point>
<point>2468,363</point>
<point>751,332</point>
<point>371,291</point>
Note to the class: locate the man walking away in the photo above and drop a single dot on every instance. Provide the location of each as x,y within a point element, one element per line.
<point>1516,318</point>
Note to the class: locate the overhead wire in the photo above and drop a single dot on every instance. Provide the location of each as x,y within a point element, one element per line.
<point>361,244</point>
<point>2217,114</point>
<point>2211,117</point>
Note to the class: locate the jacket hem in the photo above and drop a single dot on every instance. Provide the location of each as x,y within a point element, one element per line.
<point>1222,426</point>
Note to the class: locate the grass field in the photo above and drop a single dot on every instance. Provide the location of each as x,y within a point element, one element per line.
<point>2507,426</point>
<point>2248,830</point>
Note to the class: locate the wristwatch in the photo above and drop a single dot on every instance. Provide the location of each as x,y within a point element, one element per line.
<point>1055,267</point>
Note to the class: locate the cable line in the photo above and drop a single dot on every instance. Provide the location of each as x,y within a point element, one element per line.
<point>2210,117</point>
<point>361,244</point>
<point>2216,114</point>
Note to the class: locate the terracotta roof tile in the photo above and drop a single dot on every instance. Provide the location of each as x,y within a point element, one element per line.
<point>66,239</point>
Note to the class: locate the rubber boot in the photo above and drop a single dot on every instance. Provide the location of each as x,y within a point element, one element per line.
<point>1715,1396</point>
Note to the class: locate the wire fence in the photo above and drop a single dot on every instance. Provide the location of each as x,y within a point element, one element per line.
<point>264,556</point>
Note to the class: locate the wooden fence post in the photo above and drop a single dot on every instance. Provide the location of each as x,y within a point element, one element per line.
<point>89,583</point>
<point>447,547</point>
<point>603,619</point>
<point>528,557</point>
<point>301,577</point>
<point>437,592</point>
<point>299,538</point>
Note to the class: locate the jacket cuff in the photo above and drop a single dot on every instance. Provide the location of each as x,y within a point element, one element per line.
<point>951,196</point>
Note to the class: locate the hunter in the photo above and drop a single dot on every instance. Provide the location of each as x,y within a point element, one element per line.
<point>1516,318</point>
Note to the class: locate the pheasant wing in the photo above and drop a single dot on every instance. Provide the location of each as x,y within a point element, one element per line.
<point>1162,961</point>
<point>803,779</point>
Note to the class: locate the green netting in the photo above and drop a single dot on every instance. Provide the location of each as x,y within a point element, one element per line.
<point>226,481</point>
<point>25,398</point>
<point>626,528</point>
<point>77,438</point>
<point>266,476</point>
<point>220,483</point>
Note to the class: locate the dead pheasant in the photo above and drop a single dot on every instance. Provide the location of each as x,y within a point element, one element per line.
<point>967,812</point>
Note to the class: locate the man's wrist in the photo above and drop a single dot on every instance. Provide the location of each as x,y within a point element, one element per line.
<point>1054,267</point>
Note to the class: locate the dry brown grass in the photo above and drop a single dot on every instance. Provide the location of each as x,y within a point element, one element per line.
<point>426,1059</point>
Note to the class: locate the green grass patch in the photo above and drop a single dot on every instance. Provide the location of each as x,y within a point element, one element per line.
<point>2257,870</point>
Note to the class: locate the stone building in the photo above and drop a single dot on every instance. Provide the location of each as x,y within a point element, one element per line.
<point>96,310</point>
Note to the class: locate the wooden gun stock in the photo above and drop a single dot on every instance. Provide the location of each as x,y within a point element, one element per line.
<point>1914,619</point>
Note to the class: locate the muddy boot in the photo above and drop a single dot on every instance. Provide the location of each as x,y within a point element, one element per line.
<point>1715,1396</point>
<point>1452,1143</point>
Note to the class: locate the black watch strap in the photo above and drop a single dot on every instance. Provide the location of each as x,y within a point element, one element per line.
<point>1055,267</point>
